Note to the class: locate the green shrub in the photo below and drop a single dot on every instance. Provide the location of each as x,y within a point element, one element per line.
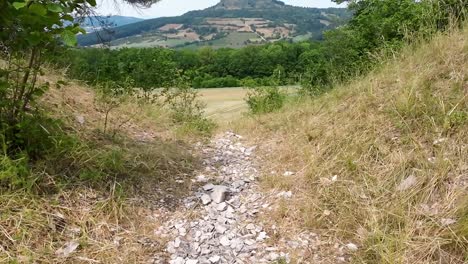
<point>201,126</point>
<point>14,173</point>
<point>111,95</point>
<point>265,99</point>
<point>186,109</point>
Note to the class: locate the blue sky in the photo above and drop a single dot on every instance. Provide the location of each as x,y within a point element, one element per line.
<point>179,7</point>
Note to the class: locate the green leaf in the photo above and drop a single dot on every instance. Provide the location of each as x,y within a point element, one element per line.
<point>33,38</point>
<point>92,2</point>
<point>56,8</point>
<point>68,18</point>
<point>69,38</point>
<point>38,9</point>
<point>19,5</point>
<point>81,30</point>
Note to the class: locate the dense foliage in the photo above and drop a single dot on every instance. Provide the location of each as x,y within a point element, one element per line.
<point>208,68</point>
<point>377,27</point>
<point>28,30</point>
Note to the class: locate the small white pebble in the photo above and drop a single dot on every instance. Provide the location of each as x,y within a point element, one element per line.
<point>352,247</point>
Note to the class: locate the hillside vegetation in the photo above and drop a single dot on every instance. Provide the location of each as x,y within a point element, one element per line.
<point>366,161</point>
<point>381,162</point>
<point>268,20</point>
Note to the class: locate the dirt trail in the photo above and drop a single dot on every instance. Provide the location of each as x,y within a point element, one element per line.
<point>218,223</point>
<point>224,218</point>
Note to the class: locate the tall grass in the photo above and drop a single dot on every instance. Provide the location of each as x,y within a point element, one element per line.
<point>380,162</point>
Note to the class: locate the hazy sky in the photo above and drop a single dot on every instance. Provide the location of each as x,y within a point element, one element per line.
<point>179,7</point>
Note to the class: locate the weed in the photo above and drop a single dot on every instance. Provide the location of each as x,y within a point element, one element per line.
<point>186,108</point>
<point>110,96</point>
<point>265,99</point>
<point>14,173</point>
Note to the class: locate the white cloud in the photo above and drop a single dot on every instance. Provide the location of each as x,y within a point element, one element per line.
<point>179,7</point>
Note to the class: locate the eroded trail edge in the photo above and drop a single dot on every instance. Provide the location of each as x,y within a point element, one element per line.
<point>219,223</point>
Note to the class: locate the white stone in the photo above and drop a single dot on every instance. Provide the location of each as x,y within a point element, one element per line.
<point>218,195</point>
<point>177,242</point>
<point>220,229</point>
<point>261,236</point>
<point>215,259</point>
<point>201,178</point>
<point>206,251</point>
<point>273,256</point>
<point>224,240</point>
<point>208,187</point>
<point>221,206</point>
<point>250,226</point>
<point>407,183</point>
<point>182,231</point>
<point>67,249</point>
<point>237,244</point>
<point>284,194</point>
<point>351,247</point>
<point>439,140</point>
<point>249,242</point>
<point>447,221</point>
<point>206,199</point>
<point>178,260</point>
<point>80,119</point>
<point>191,261</point>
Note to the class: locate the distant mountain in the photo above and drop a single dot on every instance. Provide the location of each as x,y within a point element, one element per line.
<point>230,23</point>
<point>248,4</point>
<point>96,23</point>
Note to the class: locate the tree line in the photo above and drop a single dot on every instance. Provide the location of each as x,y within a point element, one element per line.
<point>377,27</point>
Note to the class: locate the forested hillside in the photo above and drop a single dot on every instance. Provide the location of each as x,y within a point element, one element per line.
<point>198,26</point>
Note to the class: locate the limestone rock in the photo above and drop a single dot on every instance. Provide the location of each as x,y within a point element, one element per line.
<point>218,195</point>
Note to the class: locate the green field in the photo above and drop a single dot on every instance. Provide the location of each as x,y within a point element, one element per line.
<point>232,40</point>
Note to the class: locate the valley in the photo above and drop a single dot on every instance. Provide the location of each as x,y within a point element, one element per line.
<point>227,25</point>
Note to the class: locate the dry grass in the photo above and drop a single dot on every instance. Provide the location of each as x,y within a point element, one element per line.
<point>227,104</point>
<point>406,120</point>
<point>224,103</point>
<point>114,220</point>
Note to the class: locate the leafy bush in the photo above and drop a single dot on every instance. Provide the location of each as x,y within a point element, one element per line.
<point>265,99</point>
<point>110,95</point>
<point>185,107</point>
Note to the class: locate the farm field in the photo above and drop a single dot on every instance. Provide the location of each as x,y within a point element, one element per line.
<point>227,104</point>
<point>224,103</point>
<point>232,40</point>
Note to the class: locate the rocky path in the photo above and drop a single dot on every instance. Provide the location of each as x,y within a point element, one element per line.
<point>219,223</point>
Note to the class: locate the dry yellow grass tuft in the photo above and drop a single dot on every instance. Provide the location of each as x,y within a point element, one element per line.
<point>381,162</point>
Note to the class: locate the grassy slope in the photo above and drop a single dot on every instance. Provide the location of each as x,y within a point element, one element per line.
<point>408,119</point>
<point>113,219</point>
